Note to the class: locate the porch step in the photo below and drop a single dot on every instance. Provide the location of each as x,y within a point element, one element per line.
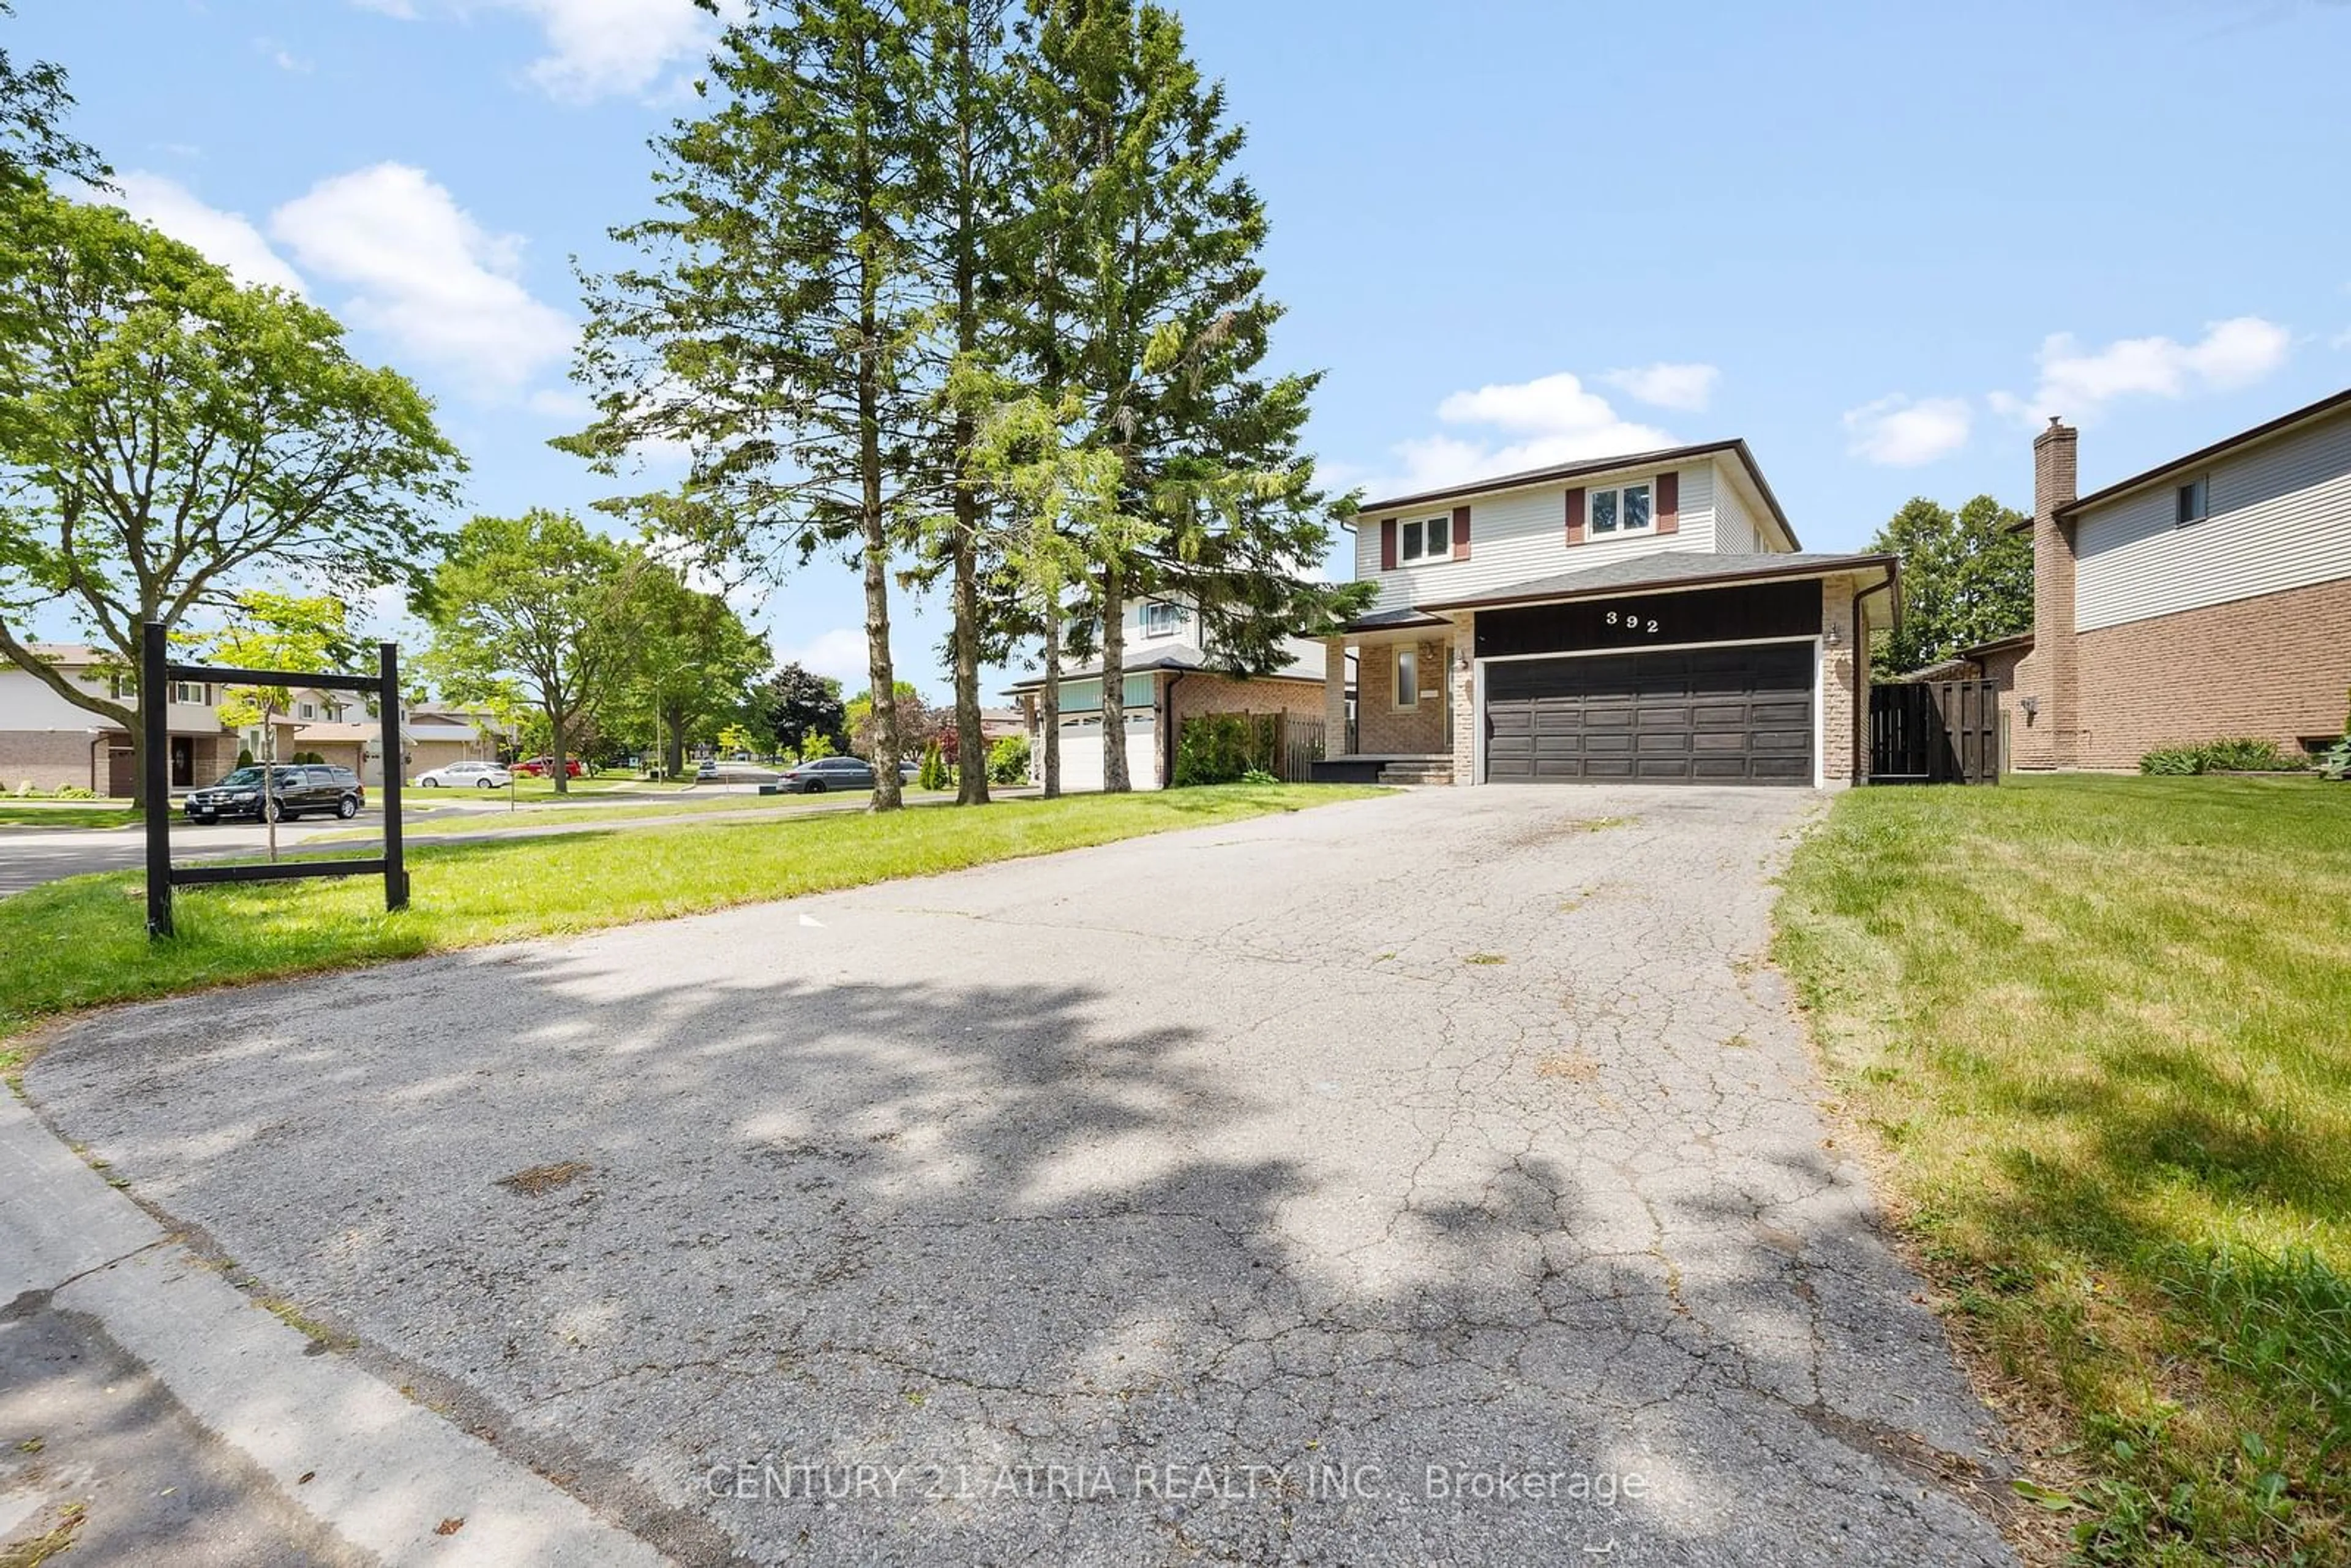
<point>1416,773</point>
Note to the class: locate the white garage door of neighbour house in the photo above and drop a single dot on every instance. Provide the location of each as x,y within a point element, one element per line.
<point>1081,751</point>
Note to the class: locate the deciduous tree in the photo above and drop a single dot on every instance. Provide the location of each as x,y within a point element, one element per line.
<point>691,660</point>
<point>270,630</point>
<point>537,606</point>
<point>166,436</point>
<point>798,703</point>
<point>1967,579</point>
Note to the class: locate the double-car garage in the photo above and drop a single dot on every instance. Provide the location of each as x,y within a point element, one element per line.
<point>1583,692</point>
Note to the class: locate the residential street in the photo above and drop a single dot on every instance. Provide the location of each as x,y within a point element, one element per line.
<point>1290,1191</point>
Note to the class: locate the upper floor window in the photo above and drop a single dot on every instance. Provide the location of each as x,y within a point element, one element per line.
<point>1425,538</point>
<point>2194,503</point>
<point>1161,620</point>
<point>191,691</point>
<point>1623,510</point>
<point>307,710</point>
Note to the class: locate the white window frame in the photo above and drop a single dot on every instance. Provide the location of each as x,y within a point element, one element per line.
<point>1617,529</point>
<point>1413,537</point>
<point>180,690</point>
<point>1396,661</point>
<point>307,710</point>
<point>1169,618</point>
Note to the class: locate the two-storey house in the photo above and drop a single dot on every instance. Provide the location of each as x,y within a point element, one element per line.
<point>2207,596</point>
<point>1170,675</point>
<point>1641,619</point>
<point>49,743</point>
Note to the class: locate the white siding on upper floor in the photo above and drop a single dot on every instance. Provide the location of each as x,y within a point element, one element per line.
<point>1521,534</point>
<point>2280,519</point>
<point>1734,528</point>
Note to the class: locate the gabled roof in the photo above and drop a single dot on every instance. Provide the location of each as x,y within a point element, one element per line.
<point>1528,478</point>
<point>1669,569</point>
<point>2284,422</point>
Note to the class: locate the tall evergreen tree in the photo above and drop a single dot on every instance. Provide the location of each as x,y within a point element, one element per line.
<point>969,231</point>
<point>773,321</point>
<point>1147,299</point>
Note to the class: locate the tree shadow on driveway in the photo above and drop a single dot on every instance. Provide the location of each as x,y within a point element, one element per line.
<point>705,1231</point>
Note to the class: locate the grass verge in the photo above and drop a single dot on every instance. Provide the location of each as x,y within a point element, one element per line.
<point>2101,1029</point>
<point>97,816</point>
<point>81,942</point>
<point>542,817</point>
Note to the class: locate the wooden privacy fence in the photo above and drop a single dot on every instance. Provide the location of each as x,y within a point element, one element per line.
<point>1934,732</point>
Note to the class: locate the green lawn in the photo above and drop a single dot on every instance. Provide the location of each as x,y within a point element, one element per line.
<point>539,816</point>
<point>81,942</point>
<point>2101,1028</point>
<point>97,814</point>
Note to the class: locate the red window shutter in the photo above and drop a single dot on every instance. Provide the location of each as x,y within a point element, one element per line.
<point>1575,516</point>
<point>1387,543</point>
<point>1669,503</point>
<point>1460,533</point>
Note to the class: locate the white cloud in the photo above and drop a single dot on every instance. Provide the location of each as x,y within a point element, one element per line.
<point>1902,433</point>
<point>426,275</point>
<point>2077,383</point>
<point>1686,387</point>
<point>840,653</point>
<point>228,238</point>
<point>1556,420</point>
<point>600,46</point>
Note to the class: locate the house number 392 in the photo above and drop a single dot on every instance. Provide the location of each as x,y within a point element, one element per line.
<point>1632,622</point>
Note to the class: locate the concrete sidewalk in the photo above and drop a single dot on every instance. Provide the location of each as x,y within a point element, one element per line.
<point>128,1359</point>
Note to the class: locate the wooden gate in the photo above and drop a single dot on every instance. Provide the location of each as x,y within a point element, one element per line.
<point>1934,732</point>
<point>1301,748</point>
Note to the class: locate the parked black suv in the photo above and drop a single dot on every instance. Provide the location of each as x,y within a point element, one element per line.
<point>293,791</point>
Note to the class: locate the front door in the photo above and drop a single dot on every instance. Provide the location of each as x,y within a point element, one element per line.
<point>183,761</point>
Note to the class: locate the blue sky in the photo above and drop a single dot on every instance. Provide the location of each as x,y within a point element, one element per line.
<point>1877,240</point>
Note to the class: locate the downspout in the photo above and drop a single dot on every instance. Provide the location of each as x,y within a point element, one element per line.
<point>1167,766</point>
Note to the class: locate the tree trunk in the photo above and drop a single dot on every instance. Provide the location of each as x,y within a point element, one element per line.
<point>971,746</point>
<point>672,746</point>
<point>556,718</point>
<point>1050,702</point>
<point>269,777</point>
<point>1114,683</point>
<point>971,742</point>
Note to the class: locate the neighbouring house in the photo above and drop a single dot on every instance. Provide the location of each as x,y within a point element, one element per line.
<point>1644,619</point>
<point>344,732</point>
<point>49,743</point>
<point>1169,677</point>
<point>1001,723</point>
<point>2208,597</point>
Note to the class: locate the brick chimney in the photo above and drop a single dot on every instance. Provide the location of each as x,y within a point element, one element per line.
<point>2054,650</point>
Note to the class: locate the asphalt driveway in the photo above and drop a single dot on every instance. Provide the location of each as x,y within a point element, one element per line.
<point>1432,1179</point>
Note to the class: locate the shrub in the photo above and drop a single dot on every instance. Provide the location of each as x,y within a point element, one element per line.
<point>2172,761</point>
<point>25,790</point>
<point>1219,747</point>
<point>2240,754</point>
<point>1007,760</point>
<point>244,757</point>
<point>75,792</point>
<point>1258,775</point>
<point>933,774</point>
<point>2335,762</point>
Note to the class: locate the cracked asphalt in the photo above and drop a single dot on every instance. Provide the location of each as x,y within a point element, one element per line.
<point>1312,1190</point>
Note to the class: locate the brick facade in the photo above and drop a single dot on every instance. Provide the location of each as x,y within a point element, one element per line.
<point>1842,759</point>
<point>1381,728</point>
<point>2276,668</point>
<point>1463,679</point>
<point>52,759</point>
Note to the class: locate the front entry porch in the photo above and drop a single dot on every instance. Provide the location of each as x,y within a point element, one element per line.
<point>1397,692</point>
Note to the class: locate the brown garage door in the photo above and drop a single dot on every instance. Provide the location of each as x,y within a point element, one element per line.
<point>1705,715</point>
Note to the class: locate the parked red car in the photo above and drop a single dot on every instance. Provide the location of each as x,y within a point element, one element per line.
<point>538,767</point>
